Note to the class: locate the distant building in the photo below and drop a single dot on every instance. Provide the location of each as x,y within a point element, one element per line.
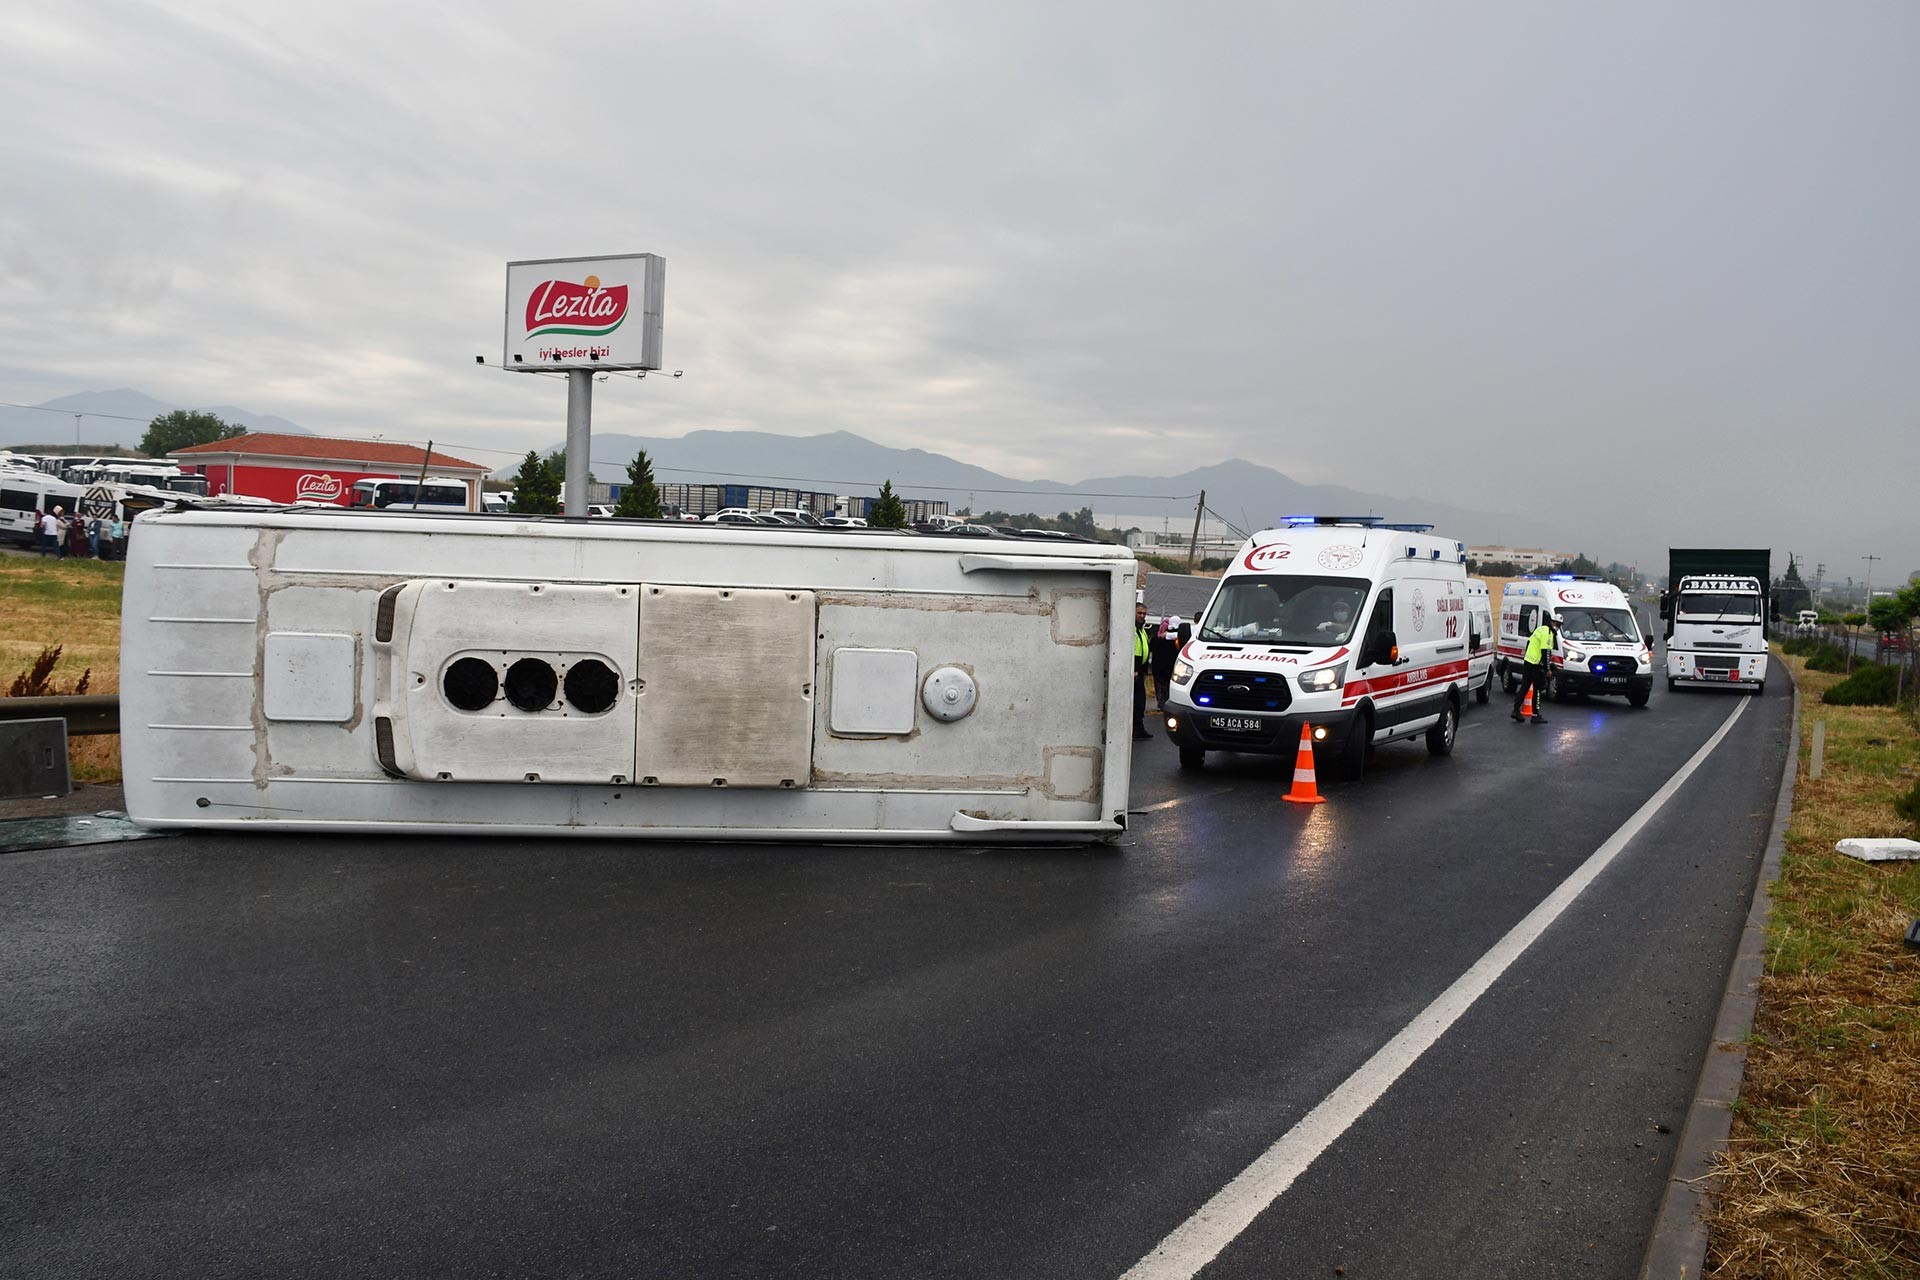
<point>289,468</point>
<point>1523,557</point>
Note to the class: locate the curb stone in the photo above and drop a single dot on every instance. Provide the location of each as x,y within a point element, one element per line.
<point>1678,1249</point>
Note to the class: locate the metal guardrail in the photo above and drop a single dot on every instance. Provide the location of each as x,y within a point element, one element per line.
<point>91,713</point>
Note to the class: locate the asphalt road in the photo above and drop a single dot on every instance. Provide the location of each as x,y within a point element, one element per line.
<point>236,1056</point>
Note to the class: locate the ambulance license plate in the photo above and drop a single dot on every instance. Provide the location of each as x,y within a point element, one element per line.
<point>1614,679</point>
<point>1235,724</point>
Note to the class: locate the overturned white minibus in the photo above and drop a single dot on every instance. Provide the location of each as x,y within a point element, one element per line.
<point>317,669</point>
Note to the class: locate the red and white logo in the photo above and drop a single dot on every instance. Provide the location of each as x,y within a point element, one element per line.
<point>1571,596</point>
<point>1271,556</point>
<point>560,306</point>
<point>318,488</point>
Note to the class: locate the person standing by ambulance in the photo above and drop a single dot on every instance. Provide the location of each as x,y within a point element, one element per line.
<point>1142,655</point>
<point>1540,646</point>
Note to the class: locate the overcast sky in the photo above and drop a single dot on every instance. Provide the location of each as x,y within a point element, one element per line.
<point>1651,264</point>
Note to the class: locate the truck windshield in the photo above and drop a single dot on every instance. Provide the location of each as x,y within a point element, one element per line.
<point>1598,626</point>
<point>1284,609</point>
<point>1719,604</point>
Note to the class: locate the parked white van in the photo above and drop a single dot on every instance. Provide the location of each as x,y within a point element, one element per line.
<point>1354,627</point>
<point>1601,650</point>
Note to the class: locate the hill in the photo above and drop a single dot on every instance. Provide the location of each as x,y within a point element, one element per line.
<point>118,417</point>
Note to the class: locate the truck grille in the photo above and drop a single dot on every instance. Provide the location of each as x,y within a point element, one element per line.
<point>1718,662</point>
<point>1241,691</point>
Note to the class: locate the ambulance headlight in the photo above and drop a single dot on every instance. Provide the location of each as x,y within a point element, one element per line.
<point>1323,679</point>
<point>1575,655</point>
<point>1182,671</point>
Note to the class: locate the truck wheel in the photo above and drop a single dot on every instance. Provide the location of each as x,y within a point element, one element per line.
<point>1193,759</point>
<point>1759,688</point>
<point>1638,697</point>
<point>1440,737</point>
<point>1485,690</point>
<point>1673,686</point>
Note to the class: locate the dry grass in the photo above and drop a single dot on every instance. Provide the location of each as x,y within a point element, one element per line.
<point>74,604</point>
<point>1822,1177</point>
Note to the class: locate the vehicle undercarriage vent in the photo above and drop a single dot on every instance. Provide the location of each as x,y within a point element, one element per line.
<point>531,684</point>
<point>592,686</point>
<point>471,684</point>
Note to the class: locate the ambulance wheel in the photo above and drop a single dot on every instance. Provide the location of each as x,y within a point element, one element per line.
<point>1485,690</point>
<point>1193,759</point>
<point>1445,729</point>
<point>1638,698</point>
<point>1556,688</point>
<point>1352,764</point>
<point>1508,680</point>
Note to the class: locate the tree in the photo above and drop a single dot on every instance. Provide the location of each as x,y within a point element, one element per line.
<point>535,491</point>
<point>887,512</point>
<point>640,499</point>
<point>183,427</point>
<point>1080,522</point>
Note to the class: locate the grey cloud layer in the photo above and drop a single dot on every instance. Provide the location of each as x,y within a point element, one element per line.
<point>1400,248</point>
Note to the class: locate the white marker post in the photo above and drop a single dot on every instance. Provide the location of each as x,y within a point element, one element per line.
<point>581,316</point>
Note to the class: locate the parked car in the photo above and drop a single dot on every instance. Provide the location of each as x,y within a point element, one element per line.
<point>1892,642</point>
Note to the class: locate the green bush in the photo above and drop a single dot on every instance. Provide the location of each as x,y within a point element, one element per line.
<point>1798,645</point>
<point>1823,656</point>
<point>1908,805</point>
<point>1868,686</point>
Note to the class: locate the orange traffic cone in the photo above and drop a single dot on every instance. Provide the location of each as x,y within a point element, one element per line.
<point>1304,790</point>
<point>1526,706</point>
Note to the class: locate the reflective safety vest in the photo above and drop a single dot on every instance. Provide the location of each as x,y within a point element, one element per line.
<point>1140,647</point>
<point>1538,644</point>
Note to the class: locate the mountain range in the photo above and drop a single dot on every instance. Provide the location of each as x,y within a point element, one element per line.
<point>1247,494</point>
<point>117,417</point>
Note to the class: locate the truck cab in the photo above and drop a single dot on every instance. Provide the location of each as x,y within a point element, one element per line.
<point>1716,632</point>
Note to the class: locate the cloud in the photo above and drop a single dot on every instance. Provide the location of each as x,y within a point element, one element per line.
<point>1473,251</point>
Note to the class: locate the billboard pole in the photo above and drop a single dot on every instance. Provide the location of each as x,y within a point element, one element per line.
<point>579,440</point>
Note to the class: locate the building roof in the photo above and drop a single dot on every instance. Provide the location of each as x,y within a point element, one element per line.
<point>261,444</point>
<point>1180,594</point>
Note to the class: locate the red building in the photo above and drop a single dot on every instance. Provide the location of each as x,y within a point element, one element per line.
<point>315,468</point>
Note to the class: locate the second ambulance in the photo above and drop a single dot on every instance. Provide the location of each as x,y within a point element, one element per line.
<point>1358,629</point>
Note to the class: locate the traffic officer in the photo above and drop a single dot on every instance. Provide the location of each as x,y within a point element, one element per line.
<point>1539,646</point>
<point>1142,654</point>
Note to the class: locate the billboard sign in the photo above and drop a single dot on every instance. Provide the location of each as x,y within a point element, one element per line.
<point>585,313</point>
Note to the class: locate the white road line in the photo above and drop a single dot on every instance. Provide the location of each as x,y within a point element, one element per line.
<point>1198,1240</point>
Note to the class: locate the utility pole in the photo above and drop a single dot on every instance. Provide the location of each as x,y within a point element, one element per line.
<point>1193,543</point>
<point>1867,608</point>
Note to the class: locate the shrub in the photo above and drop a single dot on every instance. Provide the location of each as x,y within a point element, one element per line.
<point>1868,686</point>
<point>37,680</point>
<point>1824,656</point>
<point>1908,805</point>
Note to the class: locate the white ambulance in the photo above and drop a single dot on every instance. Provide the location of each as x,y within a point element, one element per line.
<point>1481,639</point>
<point>1356,628</point>
<point>1601,650</point>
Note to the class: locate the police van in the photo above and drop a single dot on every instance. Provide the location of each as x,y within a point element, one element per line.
<point>1354,627</point>
<point>1601,647</point>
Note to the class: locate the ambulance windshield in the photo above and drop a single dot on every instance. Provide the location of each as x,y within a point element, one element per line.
<point>1285,609</point>
<point>1598,626</point>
